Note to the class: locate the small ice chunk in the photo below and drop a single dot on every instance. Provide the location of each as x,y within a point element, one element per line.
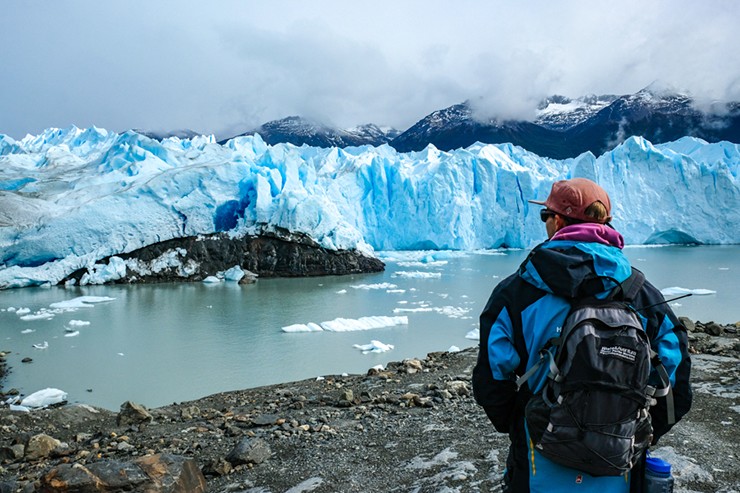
<point>453,349</point>
<point>418,275</point>
<point>78,323</point>
<point>44,398</point>
<point>383,285</point>
<point>43,345</point>
<point>80,302</point>
<point>72,334</point>
<point>677,291</point>
<point>342,291</point>
<point>234,274</point>
<point>211,280</point>
<point>309,327</point>
<point>22,311</point>
<point>42,315</point>
<point>374,347</point>
<point>362,323</point>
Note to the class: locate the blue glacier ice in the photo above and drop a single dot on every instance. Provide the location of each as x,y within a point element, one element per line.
<point>69,197</point>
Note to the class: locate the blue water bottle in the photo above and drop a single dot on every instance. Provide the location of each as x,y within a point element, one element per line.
<point>658,478</point>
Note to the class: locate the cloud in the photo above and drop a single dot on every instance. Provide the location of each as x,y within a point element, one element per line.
<point>227,66</point>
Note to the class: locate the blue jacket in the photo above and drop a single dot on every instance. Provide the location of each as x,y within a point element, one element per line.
<point>526,309</point>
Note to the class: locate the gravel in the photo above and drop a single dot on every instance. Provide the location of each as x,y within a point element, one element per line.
<point>413,427</point>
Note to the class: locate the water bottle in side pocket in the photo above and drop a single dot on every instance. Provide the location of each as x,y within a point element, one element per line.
<point>658,477</point>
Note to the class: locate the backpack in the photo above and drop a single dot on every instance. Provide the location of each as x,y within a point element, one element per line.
<point>593,411</point>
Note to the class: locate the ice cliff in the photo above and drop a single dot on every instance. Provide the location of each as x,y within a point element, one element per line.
<point>69,197</point>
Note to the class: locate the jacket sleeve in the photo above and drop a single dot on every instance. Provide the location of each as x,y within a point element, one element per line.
<point>669,339</point>
<point>493,376</point>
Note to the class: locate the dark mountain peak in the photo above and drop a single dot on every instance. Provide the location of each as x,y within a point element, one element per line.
<point>373,134</point>
<point>298,130</point>
<point>297,125</point>
<point>564,127</point>
<point>651,100</point>
<point>457,126</point>
<point>658,113</point>
<point>562,113</point>
<point>454,114</point>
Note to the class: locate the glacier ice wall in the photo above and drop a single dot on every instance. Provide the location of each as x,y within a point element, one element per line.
<point>69,197</point>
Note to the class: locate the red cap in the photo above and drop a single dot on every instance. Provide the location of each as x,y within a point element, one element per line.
<point>571,198</point>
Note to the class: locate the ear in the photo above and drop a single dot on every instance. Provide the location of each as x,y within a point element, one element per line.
<point>559,222</point>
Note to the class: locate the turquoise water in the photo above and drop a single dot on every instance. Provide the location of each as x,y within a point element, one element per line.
<point>159,344</point>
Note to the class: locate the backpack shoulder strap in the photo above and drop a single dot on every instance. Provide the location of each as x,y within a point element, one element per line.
<point>630,287</point>
<point>627,290</point>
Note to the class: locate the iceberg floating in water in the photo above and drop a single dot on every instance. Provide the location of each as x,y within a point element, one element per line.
<point>71,197</point>
<point>349,324</point>
<point>374,347</point>
<point>80,302</point>
<point>677,291</point>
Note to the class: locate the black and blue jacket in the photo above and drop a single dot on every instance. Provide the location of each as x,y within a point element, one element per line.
<point>529,307</point>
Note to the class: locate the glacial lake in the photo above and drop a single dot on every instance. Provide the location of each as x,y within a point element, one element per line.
<point>159,344</point>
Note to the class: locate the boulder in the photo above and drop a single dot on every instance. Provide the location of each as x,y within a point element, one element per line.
<point>713,328</point>
<point>133,414</point>
<point>458,387</point>
<point>41,445</point>
<point>688,323</point>
<point>163,473</point>
<point>249,451</point>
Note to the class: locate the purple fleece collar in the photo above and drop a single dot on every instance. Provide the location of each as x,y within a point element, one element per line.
<point>592,232</point>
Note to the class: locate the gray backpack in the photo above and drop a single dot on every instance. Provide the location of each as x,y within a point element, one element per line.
<point>593,411</point>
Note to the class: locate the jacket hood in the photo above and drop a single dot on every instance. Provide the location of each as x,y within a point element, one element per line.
<point>574,269</point>
<point>591,232</point>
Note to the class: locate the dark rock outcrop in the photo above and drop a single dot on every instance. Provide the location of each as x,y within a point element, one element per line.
<point>275,254</point>
<point>154,473</point>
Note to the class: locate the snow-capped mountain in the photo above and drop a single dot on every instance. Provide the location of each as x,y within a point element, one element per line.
<point>561,113</point>
<point>567,128</point>
<point>70,198</point>
<point>562,128</point>
<point>455,127</point>
<point>657,115</point>
<point>299,131</point>
<point>373,134</point>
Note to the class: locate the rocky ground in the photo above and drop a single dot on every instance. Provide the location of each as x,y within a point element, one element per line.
<point>412,427</point>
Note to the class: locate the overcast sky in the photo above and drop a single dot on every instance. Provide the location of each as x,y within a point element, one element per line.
<point>227,66</point>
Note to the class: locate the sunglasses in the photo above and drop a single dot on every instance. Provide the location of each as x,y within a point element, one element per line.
<point>546,214</point>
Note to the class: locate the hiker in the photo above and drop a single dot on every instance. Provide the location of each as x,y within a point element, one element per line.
<point>582,259</point>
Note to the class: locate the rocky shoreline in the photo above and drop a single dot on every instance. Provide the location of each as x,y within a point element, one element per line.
<point>412,426</point>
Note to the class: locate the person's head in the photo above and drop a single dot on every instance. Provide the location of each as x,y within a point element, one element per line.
<point>577,200</point>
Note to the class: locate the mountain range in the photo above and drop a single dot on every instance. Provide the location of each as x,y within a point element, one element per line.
<point>562,128</point>
<point>300,131</point>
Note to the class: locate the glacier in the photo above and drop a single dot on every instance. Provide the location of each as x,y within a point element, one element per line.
<point>70,197</point>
